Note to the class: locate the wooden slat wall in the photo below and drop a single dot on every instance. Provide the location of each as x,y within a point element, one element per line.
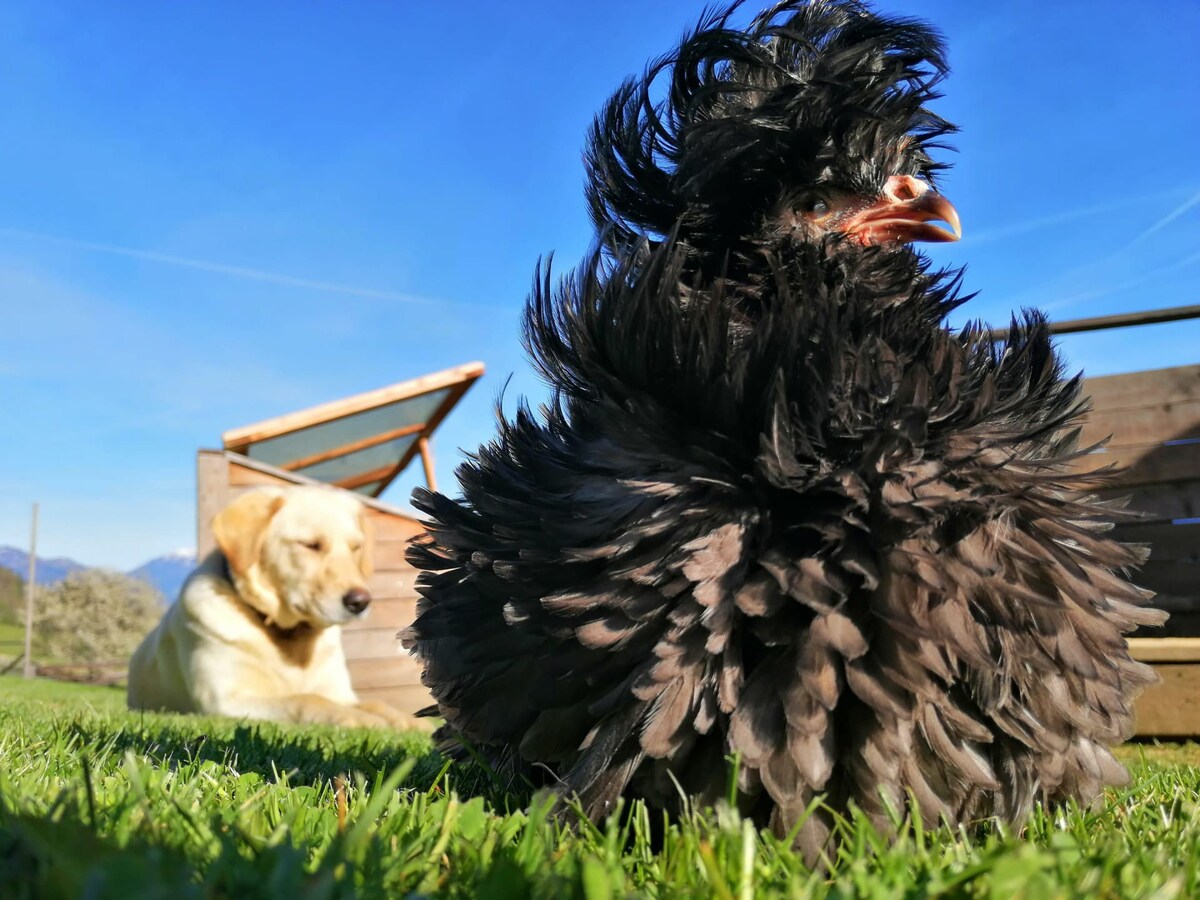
<point>1153,419</point>
<point>1154,422</point>
<point>379,668</point>
<point>1171,708</point>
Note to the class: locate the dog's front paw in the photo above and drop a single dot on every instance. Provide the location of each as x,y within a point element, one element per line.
<point>393,717</point>
<point>355,717</point>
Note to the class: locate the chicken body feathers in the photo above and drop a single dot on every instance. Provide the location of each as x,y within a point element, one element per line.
<point>776,509</point>
<point>841,542</point>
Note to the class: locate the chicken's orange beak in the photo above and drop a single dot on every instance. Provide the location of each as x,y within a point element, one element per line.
<point>903,214</point>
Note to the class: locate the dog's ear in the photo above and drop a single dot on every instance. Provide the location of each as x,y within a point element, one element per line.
<point>239,528</point>
<point>366,556</point>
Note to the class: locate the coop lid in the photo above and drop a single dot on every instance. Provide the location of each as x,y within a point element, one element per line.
<point>360,443</point>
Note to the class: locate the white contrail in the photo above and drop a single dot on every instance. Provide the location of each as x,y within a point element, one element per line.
<point>1170,217</point>
<point>1070,215</point>
<point>238,271</point>
<point>1125,285</point>
<point>1073,273</point>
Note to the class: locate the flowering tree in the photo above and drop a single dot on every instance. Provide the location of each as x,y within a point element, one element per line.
<point>12,596</point>
<point>96,615</point>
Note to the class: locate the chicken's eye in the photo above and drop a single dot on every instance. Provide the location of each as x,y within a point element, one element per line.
<point>814,206</point>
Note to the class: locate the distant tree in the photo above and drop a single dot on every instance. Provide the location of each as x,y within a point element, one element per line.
<point>95,615</point>
<point>12,597</point>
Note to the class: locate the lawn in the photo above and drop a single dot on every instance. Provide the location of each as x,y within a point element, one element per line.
<point>99,802</point>
<point>12,645</point>
<point>12,639</point>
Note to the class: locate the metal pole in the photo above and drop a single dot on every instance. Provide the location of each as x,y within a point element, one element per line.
<point>29,589</point>
<point>1120,320</point>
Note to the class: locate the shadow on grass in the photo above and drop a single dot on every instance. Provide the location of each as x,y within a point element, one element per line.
<point>66,858</point>
<point>62,856</point>
<point>41,858</point>
<point>304,756</point>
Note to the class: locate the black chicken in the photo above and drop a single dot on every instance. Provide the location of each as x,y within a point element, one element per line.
<point>776,510</point>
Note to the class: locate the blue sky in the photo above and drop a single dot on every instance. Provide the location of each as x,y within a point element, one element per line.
<point>212,213</point>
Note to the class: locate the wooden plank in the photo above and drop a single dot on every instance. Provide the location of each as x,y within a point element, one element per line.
<point>427,462</point>
<point>398,671</point>
<point>292,478</point>
<point>394,582</point>
<point>390,586</point>
<point>1176,603</point>
<point>391,554</point>
<point>1156,650</point>
<point>384,475</point>
<point>1179,578</point>
<point>1185,624</point>
<point>390,614</point>
<point>1161,503</point>
<point>236,490</point>
<point>391,527</point>
<point>1168,543</point>
<point>241,476</point>
<point>1171,708</point>
<point>1184,621</point>
<point>1147,465</point>
<point>1181,625</point>
<point>1134,389</point>
<point>240,438</point>
<point>212,495</point>
<point>371,643</point>
<point>1155,423</point>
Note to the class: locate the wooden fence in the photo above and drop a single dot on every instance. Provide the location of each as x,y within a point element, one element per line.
<point>107,672</point>
<point>1153,419</point>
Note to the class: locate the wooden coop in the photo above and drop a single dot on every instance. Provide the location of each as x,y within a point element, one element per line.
<point>362,443</point>
<point>358,444</point>
<point>1154,420</point>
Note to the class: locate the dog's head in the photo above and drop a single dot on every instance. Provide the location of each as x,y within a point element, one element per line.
<point>298,555</point>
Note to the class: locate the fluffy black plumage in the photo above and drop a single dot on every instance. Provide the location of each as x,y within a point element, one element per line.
<point>813,101</point>
<point>776,508</point>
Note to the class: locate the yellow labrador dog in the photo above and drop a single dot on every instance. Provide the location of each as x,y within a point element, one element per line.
<point>255,633</point>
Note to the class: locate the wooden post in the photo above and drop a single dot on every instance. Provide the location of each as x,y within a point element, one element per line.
<point>212,493</point>
<point>29,589</point>
<point>427,461</point>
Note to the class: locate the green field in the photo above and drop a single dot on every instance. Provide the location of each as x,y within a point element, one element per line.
<point>12,645</point>
<point>99,802</point>
<point>12,638</point>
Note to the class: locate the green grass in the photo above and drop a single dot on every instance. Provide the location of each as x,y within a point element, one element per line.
<point>12,638</point>
<point>12,644</point>
<point>99,802</point>
<point>12,632</point>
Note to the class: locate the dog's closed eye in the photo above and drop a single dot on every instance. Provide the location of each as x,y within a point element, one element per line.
<point>315,546</point>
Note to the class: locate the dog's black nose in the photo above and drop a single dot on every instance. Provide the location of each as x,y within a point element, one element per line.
<point>356,600</point>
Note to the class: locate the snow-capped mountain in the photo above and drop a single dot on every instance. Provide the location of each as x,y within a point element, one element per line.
<point>166,572</point>
<point>49,570</point>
